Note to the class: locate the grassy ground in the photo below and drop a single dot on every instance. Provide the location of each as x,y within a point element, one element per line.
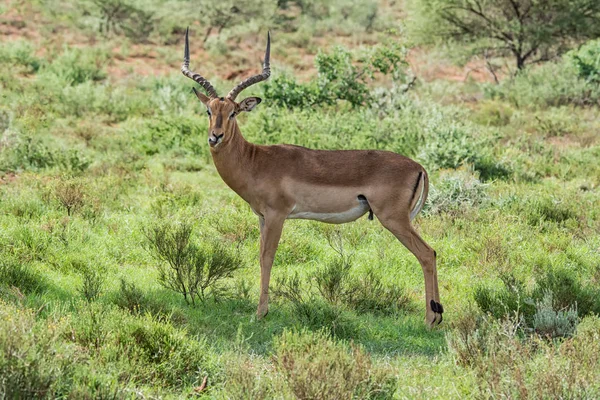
<point>101,141</point>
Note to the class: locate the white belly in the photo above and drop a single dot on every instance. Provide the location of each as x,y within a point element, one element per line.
<point>341,217</point>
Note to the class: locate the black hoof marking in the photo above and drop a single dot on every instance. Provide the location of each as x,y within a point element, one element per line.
<point>437,308</point>
<point>433,306</point>
<point>440,308</point>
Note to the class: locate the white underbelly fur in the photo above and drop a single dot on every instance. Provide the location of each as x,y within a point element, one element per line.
<point>332,218</point>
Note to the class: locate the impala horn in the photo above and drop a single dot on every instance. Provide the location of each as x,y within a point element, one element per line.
<point>192,75</point>
<point>264,75</point>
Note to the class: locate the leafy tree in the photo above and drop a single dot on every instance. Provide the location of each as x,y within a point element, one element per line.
<point>528,30</point>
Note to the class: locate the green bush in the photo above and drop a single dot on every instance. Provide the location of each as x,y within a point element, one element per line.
<point>316,367</point>
<point>513,298</point>
<point>552,84</point>
<point>31,360</point>
<point>20,53</point>
<point>34,154</point>
<point>22,276</point>
<point>507,299</point>
<point>587,61</point>
<point>552,323</point>
<point>75,66</point>
<point>568,292</point>
<point>541,209</point>
<point>339,77</point>
<point>511,365</point>
<point>187,268</point>
<point>455,191</point>
<point>448,145</point>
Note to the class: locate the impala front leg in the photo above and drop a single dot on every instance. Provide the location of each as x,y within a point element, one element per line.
<point>270,232</point>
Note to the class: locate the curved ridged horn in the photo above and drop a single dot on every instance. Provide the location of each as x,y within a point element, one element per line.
<point>264,75</point>
<point>192,75</point>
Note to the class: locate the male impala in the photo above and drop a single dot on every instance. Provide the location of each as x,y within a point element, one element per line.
<point>282,182</point>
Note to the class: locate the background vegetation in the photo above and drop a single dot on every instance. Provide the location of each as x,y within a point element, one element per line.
<point>129,270</point>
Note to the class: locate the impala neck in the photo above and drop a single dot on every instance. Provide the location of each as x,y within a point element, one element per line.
<point>232,159</point>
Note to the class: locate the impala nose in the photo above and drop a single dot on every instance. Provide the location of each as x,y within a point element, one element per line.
<point>214,139</point>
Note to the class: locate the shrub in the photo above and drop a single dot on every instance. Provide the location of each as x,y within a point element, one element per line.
<point>541,209</point>
<point>122,16</point>
<point>130,297</point>
<point>454,191</point>
<point>552,84</point>
<point>34,154</point>
<point>449,145</point>
<point>316,367</point>
<point>20,53</point>
<point>22,276</point>
<point>550,323</point>
<point>568,292</point>
<point>91,287</point>
<point>75,66</point>
<point>368,293</point>
<point>587,61</point>
<point>30,360</point>
<point>312,311</point>
<point>510,298</point>
<point>70,195</point>
<point>187,268</point>
<point>508,364</point>
<point>339,77</point>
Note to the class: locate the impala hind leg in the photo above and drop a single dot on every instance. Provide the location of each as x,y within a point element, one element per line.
<point>403,230</point>
<point>270,233</point>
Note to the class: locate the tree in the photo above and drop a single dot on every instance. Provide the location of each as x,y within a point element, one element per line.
<point>528,30</point>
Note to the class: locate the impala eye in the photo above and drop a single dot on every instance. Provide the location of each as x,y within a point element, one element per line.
<point>232,115</point>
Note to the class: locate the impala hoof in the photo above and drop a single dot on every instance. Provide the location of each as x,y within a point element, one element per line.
<point>438,310</point>
<point>260,314</point>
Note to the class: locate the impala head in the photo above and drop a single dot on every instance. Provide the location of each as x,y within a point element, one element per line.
<point>223,110</point>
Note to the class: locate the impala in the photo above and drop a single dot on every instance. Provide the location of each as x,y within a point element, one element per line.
<point>282,182</point>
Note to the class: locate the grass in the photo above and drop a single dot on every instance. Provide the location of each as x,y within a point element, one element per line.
<point>95,153</point>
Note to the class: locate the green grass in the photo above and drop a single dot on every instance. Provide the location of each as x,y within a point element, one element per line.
<point>91,159</point>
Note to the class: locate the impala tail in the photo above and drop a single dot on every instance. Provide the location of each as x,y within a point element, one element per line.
<point>419,195</point>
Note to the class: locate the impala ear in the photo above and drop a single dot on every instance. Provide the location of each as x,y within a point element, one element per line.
<point>249,103</point>
<point>201,96</point>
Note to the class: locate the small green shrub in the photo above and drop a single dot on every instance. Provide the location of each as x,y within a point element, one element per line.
<point>92,283</point>
<point>70,195</point>
<point>541,209</point>
<point>339,77</point>
<point>508,299</point>
<point>509,364</point>
<point>551,323</point>
<point>552,84</point>
<point>493,114</point>
<point>34,154</point>
<point>22,276</point>
<point>75,66</point>
<point>312,311</point>
<point>132,298</point>
<point>20,53</point>
<point>565,291</point>
<point>30,359</point>
<point>448,145</point>
<point>187,268</point>
<point>455,191</point>
<point>316,367</point>
<point>587,61</point>
<point>368,293</point>
<point>568,292</point>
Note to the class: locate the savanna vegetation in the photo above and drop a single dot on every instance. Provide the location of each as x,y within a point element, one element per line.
<point>129,270</point>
